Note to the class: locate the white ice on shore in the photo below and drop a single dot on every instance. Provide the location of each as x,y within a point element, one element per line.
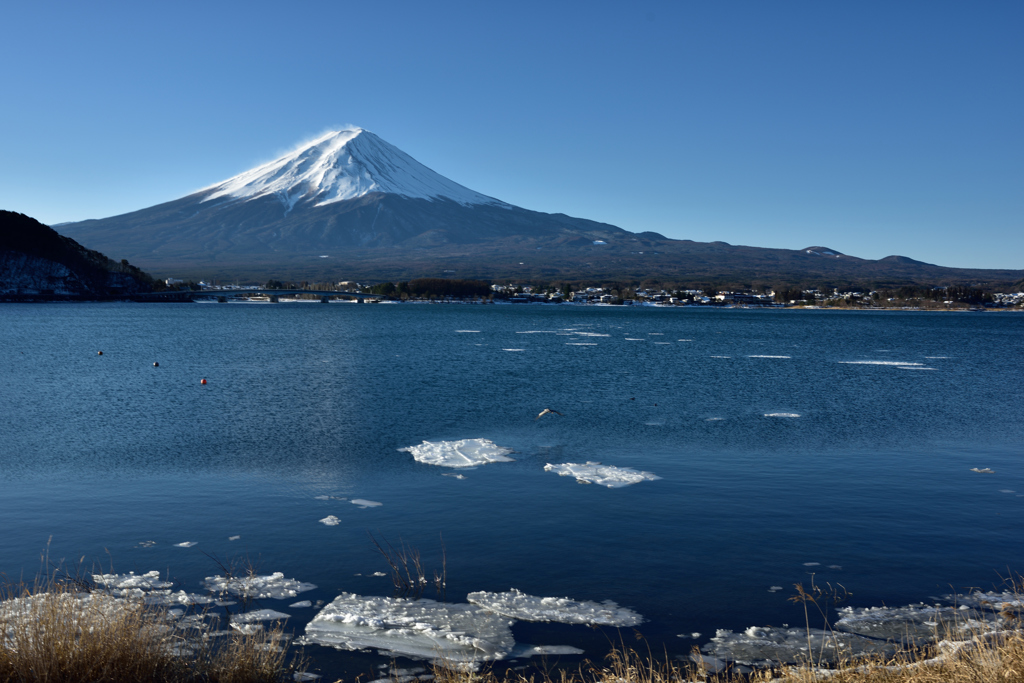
<point>914,624</point>
<point>605,475</point>
<point>765,646</point>
<point>464,453</point>
<point>258,586</point>
<point>421,628</point>
<point>518,605</point>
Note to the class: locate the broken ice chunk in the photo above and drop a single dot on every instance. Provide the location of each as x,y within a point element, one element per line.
<point>421,628</point>
<point>464,453</point>
<point>518,605</point>
<point>605,475</point>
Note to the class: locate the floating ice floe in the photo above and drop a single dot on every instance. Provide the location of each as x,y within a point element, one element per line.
<point>774,589</point>
<point>459,633</point>
<point>233,538</point>
<point>330,520</point>
<point>464,453</point>
<point>912,625</point>
<point>605,475</point>
<point>148,581</point>
<point>537,332</point>
<point>186,544</point>
<point>812,564</point>
<point>468,331</point>
<point>454,475</point>
<point>758,356</point>
<point>983,470</point>
<point>300,604</point>
<point>518,605</point>
<point>782,414</point>
<point>513,349</point>
<point>378,574</point>
<point>634,339</point>
<point>766,646</point>
<point>258,615</point>
<point>363,503</point>
<point>580,344</point>
<point>258,586</point>
<point>591,334</point>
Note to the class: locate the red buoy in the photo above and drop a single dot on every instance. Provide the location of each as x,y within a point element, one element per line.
<point>202,381</point>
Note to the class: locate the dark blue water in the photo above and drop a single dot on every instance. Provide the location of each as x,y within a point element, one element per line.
<point>101,453</point>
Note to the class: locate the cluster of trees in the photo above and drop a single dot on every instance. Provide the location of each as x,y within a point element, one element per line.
<point>956,293</point>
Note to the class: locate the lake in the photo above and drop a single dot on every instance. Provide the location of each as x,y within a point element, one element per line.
<point>786,444</point>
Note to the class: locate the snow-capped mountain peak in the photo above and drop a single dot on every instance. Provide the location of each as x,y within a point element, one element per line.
<point>343,165</point>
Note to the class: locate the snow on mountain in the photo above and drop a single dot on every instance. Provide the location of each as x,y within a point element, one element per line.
<point>343,165</point>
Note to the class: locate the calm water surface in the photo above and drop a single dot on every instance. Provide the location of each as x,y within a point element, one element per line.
<point>779,437</point>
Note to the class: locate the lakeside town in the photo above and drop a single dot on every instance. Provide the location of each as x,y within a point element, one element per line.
<point>437,290</point>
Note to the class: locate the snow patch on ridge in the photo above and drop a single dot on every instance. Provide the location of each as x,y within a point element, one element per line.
<point>339,166</point>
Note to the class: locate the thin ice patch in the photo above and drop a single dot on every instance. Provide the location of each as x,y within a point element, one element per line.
<point>515,604</point>
<point>426,629</point>
<point>259,615</point>
<point>258,586</point>
<point>605,475</point>
<point>880,362</point>
<point>912,625</point>
<point>759,356</point>
<point>186,544</point>
<point>464,453</point>
<point>767,646</point>
<point>330,520</point>
<point>363,503</point>
<point>782,414</point>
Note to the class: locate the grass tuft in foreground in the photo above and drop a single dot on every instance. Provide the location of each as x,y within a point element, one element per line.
<point>60,634</point>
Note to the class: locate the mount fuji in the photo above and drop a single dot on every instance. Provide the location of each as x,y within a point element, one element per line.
<point>347,196</point>
<point>349,205</point>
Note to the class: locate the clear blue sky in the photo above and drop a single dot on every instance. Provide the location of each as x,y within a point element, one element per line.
<point>874,128</point>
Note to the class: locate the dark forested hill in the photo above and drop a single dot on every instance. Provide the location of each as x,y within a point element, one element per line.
<point>37,262</point>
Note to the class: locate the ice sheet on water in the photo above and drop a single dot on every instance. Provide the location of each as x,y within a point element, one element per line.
<point>605,475</point>
<point>513,349</point>
<point>537,332</point>
<point>914,624</point>
<point>468,331</point>
<point>300,604</point>
<point>258,586</point>
<point>186,544</point>
<point>983,470</point>
<point>518,605</point>
<point>259,615</point>
<point>580,344</point>
<point>464,453</point>
<point>233,538</point>
<point>782,414</point>
<point>148,581</point>
<point>330,520</point>
<point>422,628</point>
<point>763,646</point>
<point>590,334</point>
<point>363,503</point>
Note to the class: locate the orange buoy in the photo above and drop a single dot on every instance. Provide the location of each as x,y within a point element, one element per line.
<point>202,381</point>
<point>156,365</point>
<point>99,353</point>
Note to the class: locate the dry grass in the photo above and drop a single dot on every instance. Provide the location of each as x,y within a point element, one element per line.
<point>59,634</point>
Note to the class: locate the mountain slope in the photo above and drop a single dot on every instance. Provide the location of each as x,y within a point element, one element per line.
<point>350,205</point>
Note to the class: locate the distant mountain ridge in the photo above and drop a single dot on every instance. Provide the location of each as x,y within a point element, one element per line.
<point>350,205</point>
